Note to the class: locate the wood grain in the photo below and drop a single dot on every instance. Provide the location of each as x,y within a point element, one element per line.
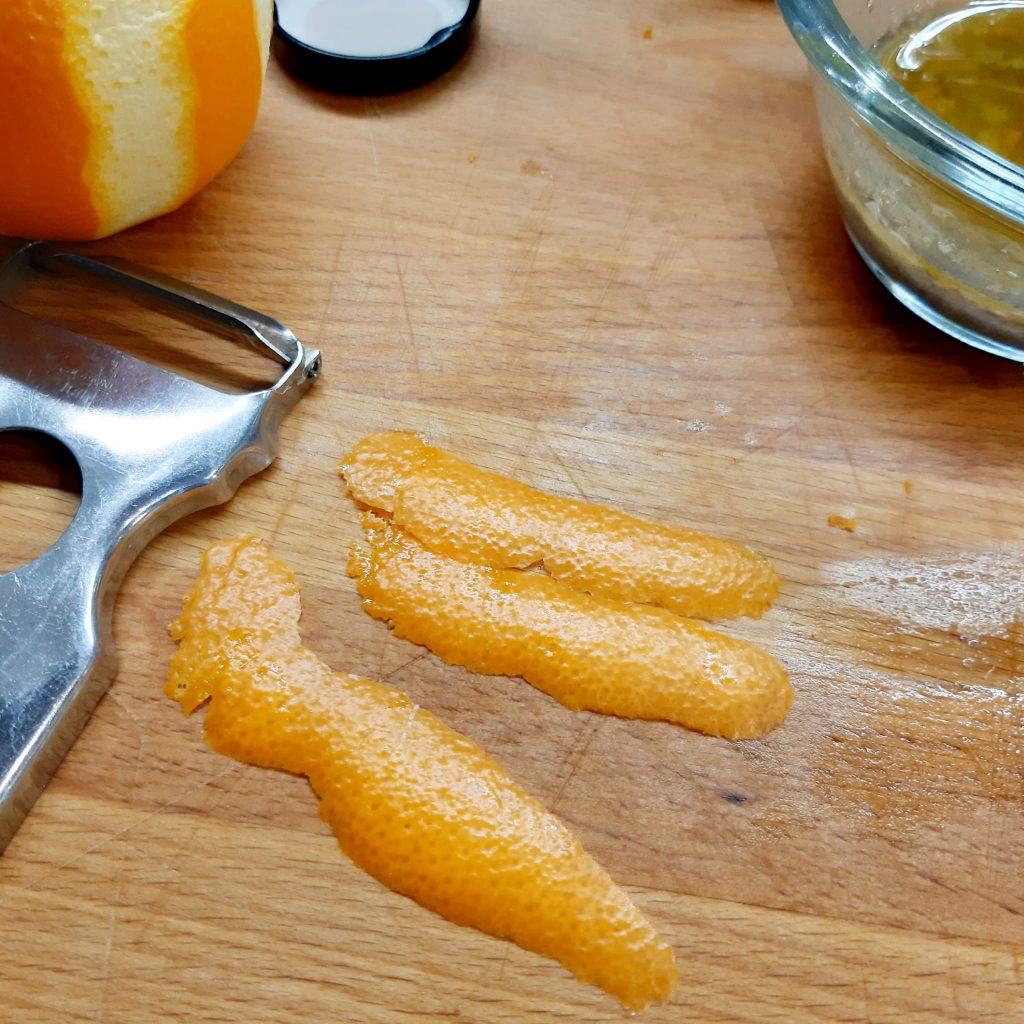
<point>611,266</point>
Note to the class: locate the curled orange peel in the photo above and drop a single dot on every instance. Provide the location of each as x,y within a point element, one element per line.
<point>586,651</point>
<point>418,806</point>
<point>456,509</point>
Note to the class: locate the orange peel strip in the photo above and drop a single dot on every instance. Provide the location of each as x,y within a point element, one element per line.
<point>586,651</point>
<point>418,806</point>
<point>459,510</point>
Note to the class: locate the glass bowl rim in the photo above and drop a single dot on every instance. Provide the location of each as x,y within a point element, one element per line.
<point>907,127</point>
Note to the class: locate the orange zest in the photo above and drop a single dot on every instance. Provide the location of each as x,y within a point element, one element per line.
<point>838,522</point>
<point>418,806</point>
<point>587,651</point>
<point>456,509</point>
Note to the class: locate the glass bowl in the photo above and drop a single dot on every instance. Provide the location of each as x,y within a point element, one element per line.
<point>938,218</point>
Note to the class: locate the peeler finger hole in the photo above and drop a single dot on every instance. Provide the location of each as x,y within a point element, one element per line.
<point>40,491</point>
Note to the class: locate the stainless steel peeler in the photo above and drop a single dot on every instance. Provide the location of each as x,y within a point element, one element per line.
<point>152,446</point>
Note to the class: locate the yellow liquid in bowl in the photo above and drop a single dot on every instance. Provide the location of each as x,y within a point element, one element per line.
<point>967,66</point>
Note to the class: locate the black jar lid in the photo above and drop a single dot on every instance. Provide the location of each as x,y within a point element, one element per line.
<point>303,50</point>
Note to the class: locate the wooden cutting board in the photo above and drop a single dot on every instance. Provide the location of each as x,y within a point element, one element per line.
<point>608,261</point>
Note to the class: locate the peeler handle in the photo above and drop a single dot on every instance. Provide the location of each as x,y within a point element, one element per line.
<point>57,654</point>
<point>54,667</point>
<point>152,446</point>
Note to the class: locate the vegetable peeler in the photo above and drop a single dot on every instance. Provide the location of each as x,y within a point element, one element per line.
<point>152,446</point>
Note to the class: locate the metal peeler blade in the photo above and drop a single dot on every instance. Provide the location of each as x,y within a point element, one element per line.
<point>152,447</point>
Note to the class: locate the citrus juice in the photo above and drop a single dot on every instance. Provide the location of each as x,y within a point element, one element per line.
<point>967,66</point>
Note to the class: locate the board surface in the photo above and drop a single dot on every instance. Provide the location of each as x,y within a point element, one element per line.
<point>612,266</point>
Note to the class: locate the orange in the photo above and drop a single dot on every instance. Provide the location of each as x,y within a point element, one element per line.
<point>418,806</point>
<point>587,651</point>
<point>459,510</point>
<point>116,111</point>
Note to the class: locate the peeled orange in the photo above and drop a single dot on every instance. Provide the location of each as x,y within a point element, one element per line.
<point>418,806</point>
<point>116,111</point>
